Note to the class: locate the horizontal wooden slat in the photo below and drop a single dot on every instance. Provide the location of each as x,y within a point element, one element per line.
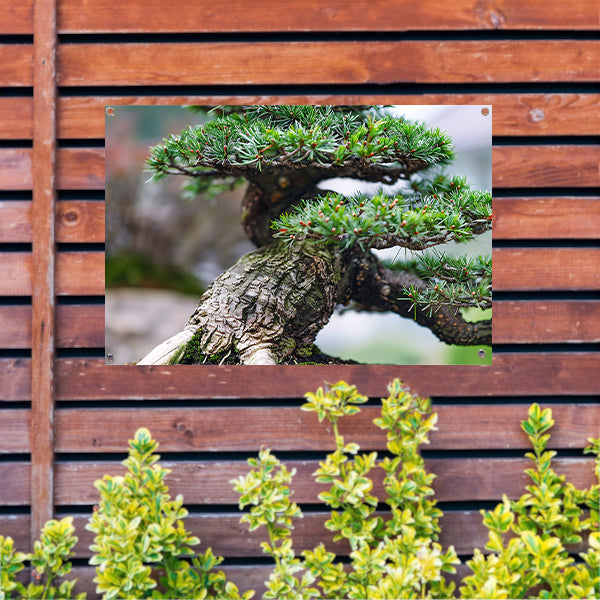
<point>76,221</point>
<point>546,218</point>
<point>80,221</point>
<point>555,373</point>
<point>17,118</point>
<point>77,326</point>
<point>526,269</point>
<point>15,169</point>
<point>16,64</point>
<point>290,429</point>
<point>513,166</point>
<point>15,431</point>
<point>77,273</point>
<point>337,15</point>
<point>514,269</point>
<point>513,114</point>
<point>16,490</point>
<point>223,63</point>
<point>375,15</point>
<point>546,166</point>
<point>552,321</point>
<point>458,479</point>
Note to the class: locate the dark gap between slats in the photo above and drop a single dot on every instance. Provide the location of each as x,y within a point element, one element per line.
<point>525,348</point>
<point>80,195</point>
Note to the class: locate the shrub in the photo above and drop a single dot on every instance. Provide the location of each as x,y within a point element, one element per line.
<point>142,549</point>
<point>400,557</point>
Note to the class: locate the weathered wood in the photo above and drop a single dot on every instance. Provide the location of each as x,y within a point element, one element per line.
<point>554,373</point>
<point>80,273</point>
<point>513,114</point>
<point>290,429</point>
<point>80,169</point>
<point>17,118</point>
<point>16,486</point>
<point>15,428</point>
<point>553,166</point>
<point>546,218</point>
<point>208,482</point>
<point>80,221</point>
<point>15,169</point>
<point>76,221</point>
<point>16,65</point>
<point>15,379</point>
<point>227,63</point>
<point>136,16</point>
<point>336,15</point>
<point>16,273</point>
<point>553,321</point>
<point>43,262</point>
<point>545,268</point>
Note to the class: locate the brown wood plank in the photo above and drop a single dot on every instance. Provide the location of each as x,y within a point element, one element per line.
<point>15,169</point>
<point>529,374</point>
<point>16,484</point>
<point>513,114</point>
<point>527,269</point>
<point>80,274</point>
<point>17,117</point>
<point>16,65</point>
<point>44,249</point>
<point>335,15</point>
<point>552,321</point>
<point>513,166</point>
<point>80,221</point>
<point>16,274</point>
<point>223,63</point>
<point>15,427</point>
<point>290,429</point>
<point>546,166</point>
<point>16,17</point>
<point>204,483</point>
<point>15,221</point>
<point>76,221</point>
<point>80,169</point>
<point>15,379</point>
<point>77,326</point>
<point>546,218</point>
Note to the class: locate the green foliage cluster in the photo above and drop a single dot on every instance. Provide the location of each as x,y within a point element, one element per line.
<point>399,556</point>
<point>261,136</point>
<point>142,549</point>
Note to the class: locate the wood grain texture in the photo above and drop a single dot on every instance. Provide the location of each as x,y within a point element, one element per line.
<point>16,273</point>
<point>553,166</point>
<point>220,63</point>
<point>290,429</point>
<point>16,487</point>
<point>552,321</point>
<point>514,374</point>
<point>233,15</point>
<point>530,374</point>
<point>15,432</point>
<point>80,169</point>
<point>15,169</point>
<point>336,15</point>
<point>528,269</point>
<point>16,65</point>
<point>17,118</point>
<point>15,221</point>
<point>546,218</point>
<point>80,221</point>
<point>208,482</point>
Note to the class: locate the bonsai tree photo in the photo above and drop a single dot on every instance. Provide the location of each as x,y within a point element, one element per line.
<point>317,249</point>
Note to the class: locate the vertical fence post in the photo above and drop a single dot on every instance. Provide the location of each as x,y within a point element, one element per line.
<point>43,301</point>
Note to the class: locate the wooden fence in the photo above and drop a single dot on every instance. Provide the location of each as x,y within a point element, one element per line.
<point>65,416</point>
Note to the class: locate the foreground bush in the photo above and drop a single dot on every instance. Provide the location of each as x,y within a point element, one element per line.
<point>142,549</point>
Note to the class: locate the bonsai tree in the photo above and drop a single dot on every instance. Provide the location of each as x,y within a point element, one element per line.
<point>315,248</point>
